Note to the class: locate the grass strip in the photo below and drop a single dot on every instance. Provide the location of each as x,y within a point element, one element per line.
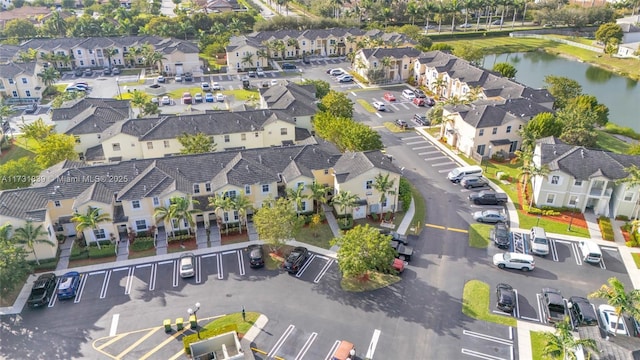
<point>475,304</point>
<point>366,105</point>
<point>479,235</point>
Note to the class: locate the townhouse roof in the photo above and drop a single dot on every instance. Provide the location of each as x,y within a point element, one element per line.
<point>94,153</point>
<point>351,165</point>
<point>549,140</point>
<point>296,100</point>
<point>25,203</point>
<point>97,191</point>
<point>491,113</point>
<point>394,53</point>
<point>24,12</point>
<point>583,163</point>
<point>8,52</point>
<point>92,115</point>
<point>166,45</point>
<point>11,70</point>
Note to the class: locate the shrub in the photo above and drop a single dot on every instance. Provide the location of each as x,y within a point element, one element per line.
<point>631,243</point>
<point>404,194</point>
<point>622,218</point>
<point>605,228</point>
<point>505,177</point>
<point>142,245</point>
<point>105,250</point>
<point>345,225</point>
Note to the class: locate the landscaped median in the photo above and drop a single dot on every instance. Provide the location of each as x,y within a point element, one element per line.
<point>366,105</point>
<point>479,235</point>
<point>636,259</point>
<point>475,304</point>
<point>538,343</point>
<point>224,324</point>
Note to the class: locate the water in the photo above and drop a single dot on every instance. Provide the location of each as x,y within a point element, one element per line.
<point>620,94</point>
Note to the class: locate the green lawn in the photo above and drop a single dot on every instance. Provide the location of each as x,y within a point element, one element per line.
<point>365,104</point>
<point>21,148</point>
<point>479,235</point>
<point>322,238</point>
<point>636,258</point>
<point>609,142</point>
<point>537,345</point>
<point>475,304</point>
<point>420,209</point>
<point>222,325</point>
<point>376,281</point>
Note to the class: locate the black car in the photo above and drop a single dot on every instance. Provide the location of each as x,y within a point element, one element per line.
<point>402,124</point>
<point>296,259</point>
<point>42,290</point>
<point>188,76</point>
<point>506,298</point>
<point>106,71</point>
<point>469,182</point>
<point>429,101</point>
<point>288,66</point>
<point>582,312</point>
<point>395,236</point>
<point>500,235</point>
<point>420,94</point>
<point>78,72</point>
<point>256,256</point>
<point>421,119</point>
<point>31,108</point>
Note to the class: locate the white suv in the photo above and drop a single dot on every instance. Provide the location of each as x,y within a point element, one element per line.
<point>379,106</point>
<point>409,94</point>
<point>514,261</point>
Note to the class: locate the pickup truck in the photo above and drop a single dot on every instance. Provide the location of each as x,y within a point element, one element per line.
<point>42,290</point>
<point>488,197</point>
<point>553,305</point>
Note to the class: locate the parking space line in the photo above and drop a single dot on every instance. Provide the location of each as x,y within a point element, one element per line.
<point>430,152</point>
<point>228,252</point>
<point>574,246</point>
<point>540,314</point>
<point>323,271</point>
<point>114,324</point>
<point>441,164</point>
<point>129,283</point>
<point>417,142</point>
<point>322,257</point>
<point>306,346</point>
<point>165,262</point>
<point>602,265</point>
<point>393,106</point>
<point>530,319</point>
<point>162,344</point>
<point>176,273</point>
<point>446,170</point>
<point>440,157</point>
<point>435,226</point>
<point>554,250</point>
<point>105,285</point>
<point>281,341</point>
<point>305,266</point>
<point>207,256</point>
<point>411,138</point>
<point>332,350</point>
<point>240,262</point>
<point>480,355</point>
<point>198,270</point>
<point>458,230</point>
<point>52,300</point>
<point>83,282</point>
<point>378,115</point>
<point>219,265</point>
<point>487,337</point>
<point>373,344</point>
<point>152,277</point>
<point>97,272</point>
<point>517,309</point>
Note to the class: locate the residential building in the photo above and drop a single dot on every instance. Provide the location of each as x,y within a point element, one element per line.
<point>385,65</point>
<point>20,82</point>
<point>288,99</point>
<point>586,179</point>
<point>31,13</point>
<point>129,191</point>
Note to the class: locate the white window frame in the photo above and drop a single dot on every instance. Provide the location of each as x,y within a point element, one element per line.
<point>135,204</point>
<point>247,189</point>
<point>555,180</point>
<point>265,188</point>
<point>196,188</point>
<point>368,185</point>
<point>573,200</point>
<point>551,197</point>
<point>625,196</point>
<point>577,183</point>
<point>141,228</point>
<point>57,203</point>
<point>100,234</point>
<point>156,201</point>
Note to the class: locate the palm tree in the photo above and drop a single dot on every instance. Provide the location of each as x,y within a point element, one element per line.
<point>384,186</point>
<point>109,52</point>
<point>5,233</point>
<point>247,59</point>
<point>562,344</point>
<point>155,58</point>
<point>413,10</point>
<point>242,204</point>
<point>139,98</point>
<point>49,75</point>
<point>31,235</point>
<point>386,63</point>
<point>90,221</point>
<point>344,200</point>
<point>438,85</point>
<point>221,203</point>
<point>297,196</point>
<point>183,211</point>
<point>186,27</point>
<point>625,303</point>
<point>454,7</point>
<point>263,54</point>
<point>318,194</point>
<point>632,181</point>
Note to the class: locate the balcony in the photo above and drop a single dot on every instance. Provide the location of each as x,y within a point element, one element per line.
<point>600,193</point>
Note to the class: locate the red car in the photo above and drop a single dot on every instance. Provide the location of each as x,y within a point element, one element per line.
<point>186,98</point>
<point>389,97</point>
<point>419,101</point>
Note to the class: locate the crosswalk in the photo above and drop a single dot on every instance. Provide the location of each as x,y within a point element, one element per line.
<point>431,154</point>
<point>398,104</point>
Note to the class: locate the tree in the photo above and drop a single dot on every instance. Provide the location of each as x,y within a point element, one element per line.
<point>359,137</point>
<point>384,186</point>
<point>18,173</point>
<point>544,124</point>
<point>109,53</point>
<point>562,344</point>
<point>242,204</point>
<point>562,89</point>
<point>337,104</point>
<point>198,143</point>
<point>318,194</point>
<point>49,75</point>
<point>466,50</point>
<point>297,196</point>
<point>15,268</point>
<point>322,87</point>
<point>632,180</point>
<point>20,29</point>
<point>589,103</point>
<point>31,235</point>
<point>90,221</point>
<point>37,130</point>
<point>277,222</point>
<point>609,33</point>
<point>55,148</point>
<point>222,203</point>
<point>364,249</point>
<point>505,69</point>
<point>247,59</point>
<point>344,200</point>
<point>625,303</point>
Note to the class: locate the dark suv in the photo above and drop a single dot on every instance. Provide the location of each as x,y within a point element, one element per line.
<point>256,256</point>
<point>296,259</point>
<point>421,120</point>
<point>506,297</point>
<point>469,182</point>
<point>42,290</point>
<point>582,311</point>
<point>500,235</point>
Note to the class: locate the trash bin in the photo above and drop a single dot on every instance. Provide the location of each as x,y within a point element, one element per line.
<point>179,324</point>
<point>167,325</point>
<point>193,322</point>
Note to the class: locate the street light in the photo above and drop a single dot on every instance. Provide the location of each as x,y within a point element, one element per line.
<point>575,206</point>
<point>118,84</point>
<point>194,312</point>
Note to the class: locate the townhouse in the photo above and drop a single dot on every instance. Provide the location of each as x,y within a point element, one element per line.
<point>288,99</point>
<point>20,82</point>
<point>256,49</point>
<point>585,179</point>
<point>129,191</point>
<point>385,65</point>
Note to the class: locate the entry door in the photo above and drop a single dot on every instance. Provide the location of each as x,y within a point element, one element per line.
<point>70,229</point>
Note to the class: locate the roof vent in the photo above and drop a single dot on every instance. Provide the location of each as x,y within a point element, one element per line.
<point>260,158</point>
<point>247,167</point>
<point>582,153</point>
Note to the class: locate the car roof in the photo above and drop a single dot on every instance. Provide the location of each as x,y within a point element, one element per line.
<point>491,212</point>
<point>520,256</point>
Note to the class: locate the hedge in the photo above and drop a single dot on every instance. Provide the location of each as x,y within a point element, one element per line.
<point>142,245</point>
<point>605,228</point>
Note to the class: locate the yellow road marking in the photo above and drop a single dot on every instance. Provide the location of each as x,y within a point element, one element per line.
<point>446,228</point>
<point>135,344</point>
<point>435,226</point>
<point>115,338</point>
<point>162,344</point>
<point>458,230</point>
<point>177,355</point>
<point>259,351</point>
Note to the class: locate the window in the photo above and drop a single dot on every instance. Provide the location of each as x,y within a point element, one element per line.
<point>326,171</point>
<point>283,131</point>
<point>368,185</point>
<point>77,139</point>
<point>100,234</point>
<point>265,188</point>
<point>256,134</point>
<point>185,223</point>
<point>494,131</point>
<point>231,194</point>
<point>481,132</point>
<point>226,216</point>
<point>235,215</point>
<point>56,203</point>
<point>24,80</point>
<point>304,206</point>
<point>304,43</point>
<point>14,93</point>
<point>480,149</point>
<point>247,189</point>
<point>141,225</point>
<point>175,224</point>
<point>166,144</point>
<point>573,200</point>
<point>226,138</point>
<point>299,184</point>
<point>116,146</point>
<point>81,62</point>
<point>79,52</point>
<point>628,196</point>
<point>551,198</point>
<point>508,129</point>
<point>207,187</point>
<point>135,204</point>
<point>577,183</point>
<point>28,93</point>
<point>555,179</point>
<point>150,145</point>
<point>156,201</point>
<point>405,66</point>
<point>243,137</point>
<point>196,188</point>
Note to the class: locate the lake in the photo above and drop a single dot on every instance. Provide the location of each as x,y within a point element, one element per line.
<point>620,94</point>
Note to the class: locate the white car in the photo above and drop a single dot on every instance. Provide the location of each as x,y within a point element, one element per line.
<point>187,268</point>
<point>215,86</point>
<point>274,82</point>
<point>512,260</point>
<point>609,320</point>
<point>336,72</point>
<point>465,26</point>
<point>220,97</point>
<point>198,97</point>
<point>379,105</point>
<point>409,94</point>
<point>166,100</point>
<point>259,72</point>
<point>205,86</point>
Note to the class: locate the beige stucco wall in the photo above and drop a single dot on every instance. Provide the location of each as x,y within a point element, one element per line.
<point>357,186</point>
<point>234,58</point>
<point>129,147</point>
<point>86,141</point>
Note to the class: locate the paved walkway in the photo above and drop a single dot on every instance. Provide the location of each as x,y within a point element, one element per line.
<point>65,253</point>
<point>592,225</point>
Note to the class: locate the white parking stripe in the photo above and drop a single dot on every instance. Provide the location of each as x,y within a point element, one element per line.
<point>332,350</point>
<point>280,341</point>
<point>446,170</point>
<point>378,115</point>
<point>176,273</point>
<point>480,355</point>
<point>373,344</point>
<point>152,277</point>
<point>417,142</point>
<point>517,309</point>
<point>487,337</point>
<point>105,285</point>
<point>576,253</point>
<point>554,251</point>
<point>411,138</point>
<point>540,313</point>
<point>129,283</point>
<point>435,158</point>
<point>198,269</point>
<point>323,271</point>
<point>241,262</point>
<point>420,147</point>
<point>393,106</point>
<point>306,346</point>
<point>442,164</point>
<point>219,265</point>
<point>114,324</point>
<point>83,281</point>
<point>305,266</point>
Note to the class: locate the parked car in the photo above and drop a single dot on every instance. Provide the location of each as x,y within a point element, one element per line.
<point>215,86</point>
<point>205,86</point>
<point>198,97</point>
<point>335,72</point>
<point>188,76</point>
<point>260,72</point>
<point>500,235</point>
<point>465,26</point>
<point>429,101</point>
<point>288,66</point>
<point>635,325</point>
<point>220,97</point>
<point>611,322</point>
<point>379,105</point>
<point>488,197</point>
<point>155,100</point>
<point>473,181</point>
<point>88,72</point>
<point>74,88</point>
<point>513,260</point>
<point>274,82</point>
<point>421,119</point>
<point>178,78</point>
<point>409,94</point>
<point>69,284</point>
<point>106,71</point>
<point>186,98</point>
<point>256,256</point>
<point>81,85</point>
<point>553,305</point>
<point>497,22</point>
<point>583,313</point>
<point>389,96</point>
<point>401,124</point>
<point>419,94</point>
<point>489,216</point>
<point>161,79</point>
<point>344,351</point>
<point>345,79</point>
<point>115,71</point>
<point>187,265</point>
<point>506,298</point>
<point>252,74</point>
<point>296,259</point>
<point>209,97</point>
<point>265,84</point>
<point>78,72</point>
<point>31,108</point>
<point>166,100</point>
<point>42,290</point>
<point>419,102</point>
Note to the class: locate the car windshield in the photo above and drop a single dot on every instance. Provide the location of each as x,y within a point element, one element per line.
<point>455,172</point>
<point>66,282</point>
<point>187,267</point>
<point>502,232</point>
<point>507,256</point>
<point>540,241</point>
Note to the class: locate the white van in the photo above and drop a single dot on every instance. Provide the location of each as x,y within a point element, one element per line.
<point>539,242</point>
<point>458,173</point>
<point>590,251</point>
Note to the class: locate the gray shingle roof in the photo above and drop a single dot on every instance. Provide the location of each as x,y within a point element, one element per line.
<point>11,70</point>
<point>95,153</point>
<point>296,100</point>
<point>394,53</point>
<point>23,203</point>
<point>583,163</point>
<point>166,45</point>
<point>491,113</point>
<point>350,165</point>
<point>91,115</point>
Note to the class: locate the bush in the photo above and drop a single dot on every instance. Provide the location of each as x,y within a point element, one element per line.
<point>622,218</point>
<point>105,250</point>
<point>404,193</point>
<point>359,78</point>
<point>505,177</point>
<point>605,228</point>
<point>345,225</point>
<point>183,237</point>
<point>631,243</point>
<point>142,245</point>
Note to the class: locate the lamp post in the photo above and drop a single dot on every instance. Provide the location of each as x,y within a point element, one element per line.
<point>118,84</point>
<point>575,206</point>
<point>194,312</point>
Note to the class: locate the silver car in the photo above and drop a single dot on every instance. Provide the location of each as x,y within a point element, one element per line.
<point>489,216</point>
<point>187,265</point>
